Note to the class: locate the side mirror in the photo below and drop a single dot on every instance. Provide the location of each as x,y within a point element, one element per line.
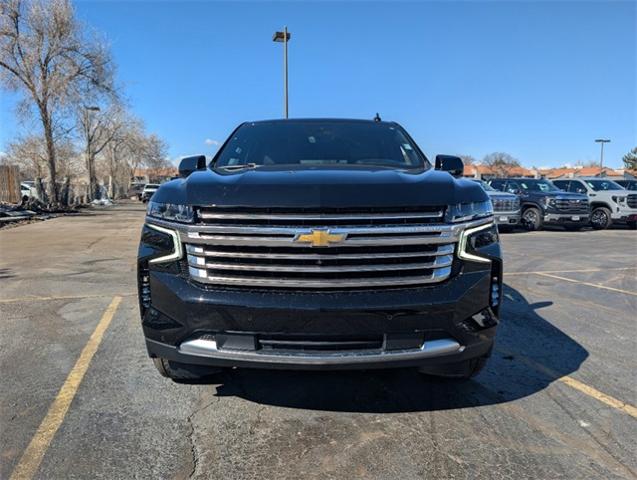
<point>515,191</point>
<point>451,164</point>
<point>190,164</point>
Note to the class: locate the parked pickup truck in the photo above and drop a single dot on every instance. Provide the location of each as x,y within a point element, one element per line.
<point>545,204</point>
<point>319,244</point>
<point>506,206</point>
<point>148,191</point>
<point>610,202</point>
<point>628,184</point>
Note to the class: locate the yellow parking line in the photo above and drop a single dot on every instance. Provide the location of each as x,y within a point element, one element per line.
<point>587,284</point>
<point>35,298</point>
<point>575,384</point>
<point>33,455</point>
<point>586,270</point>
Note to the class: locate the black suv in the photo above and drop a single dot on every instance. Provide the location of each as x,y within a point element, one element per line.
<point>319,244</point>
<point>545,204</point>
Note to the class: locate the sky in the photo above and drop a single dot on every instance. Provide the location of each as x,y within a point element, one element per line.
<point>540,80</point>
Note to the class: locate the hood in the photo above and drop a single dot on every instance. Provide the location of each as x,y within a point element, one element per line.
<point>565,195</point>
<point>618,192</point>
<point>500,195</point>
<point>333,187</point>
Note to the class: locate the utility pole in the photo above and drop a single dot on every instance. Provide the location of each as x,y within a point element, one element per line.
<point>601,156</point>
<point>284,37</point>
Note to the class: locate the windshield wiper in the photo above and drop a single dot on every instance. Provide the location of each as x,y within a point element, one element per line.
<point>240,167</point>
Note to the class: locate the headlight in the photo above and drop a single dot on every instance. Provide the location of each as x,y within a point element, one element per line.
<point>549,202</point>
<point>474,238</point>
<point>462,212</point>
<point>171,211</point>
<point>619,200</point>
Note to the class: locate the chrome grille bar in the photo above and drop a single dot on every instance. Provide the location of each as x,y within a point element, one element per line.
<point>200,262</point>
<point>203,251</point>
<point>435,276</point>
<point>321,218</point>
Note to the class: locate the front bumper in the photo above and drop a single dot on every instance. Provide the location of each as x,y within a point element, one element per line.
<point>570,218</point>
<point>415,326</point>
<point>624,215</point>
<point>507,218</point>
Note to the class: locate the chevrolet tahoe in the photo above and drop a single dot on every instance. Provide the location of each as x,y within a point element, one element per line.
<point>319,244</point>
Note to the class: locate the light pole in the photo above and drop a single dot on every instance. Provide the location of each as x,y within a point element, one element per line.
<point>601,156</point>
<point>284,37</point>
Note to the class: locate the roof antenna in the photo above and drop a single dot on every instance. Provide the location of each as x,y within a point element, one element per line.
<point>377,118</point>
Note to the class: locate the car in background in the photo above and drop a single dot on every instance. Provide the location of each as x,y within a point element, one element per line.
<point>628,184</point>
<point>543,203</point>
<point>506,206</point>
<point>28,190</point>
<point>148,191</point>
<point>136,190</point>
<point>610,202</point>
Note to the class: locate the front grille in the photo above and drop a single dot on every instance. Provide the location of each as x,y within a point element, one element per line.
<point>326,217</point>
<point>571,205</point>
<point>291,343</point>
<point>505,204</point>
<point>364,249</point>
<point>632,200</point>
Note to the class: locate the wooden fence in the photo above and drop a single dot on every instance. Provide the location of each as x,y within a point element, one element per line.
<point>9,184</point>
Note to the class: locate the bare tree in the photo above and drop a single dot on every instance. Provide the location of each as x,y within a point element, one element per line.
<point>468,159</point>
<point>99,128</point>
<point>500,163</point>
<point>154,152</point>
<point>30,154</point>
<point>47,55</point>
<point>122,151</point>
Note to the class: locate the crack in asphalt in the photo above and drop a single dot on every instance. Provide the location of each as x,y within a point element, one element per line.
<point>191,434</point>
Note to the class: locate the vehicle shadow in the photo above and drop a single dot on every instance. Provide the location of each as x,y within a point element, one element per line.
<point>524,338</point>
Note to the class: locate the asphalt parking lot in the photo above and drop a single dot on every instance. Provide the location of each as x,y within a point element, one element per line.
<point>80,398</point>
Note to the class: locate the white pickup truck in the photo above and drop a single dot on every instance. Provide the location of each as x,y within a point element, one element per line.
<point>610,202</point>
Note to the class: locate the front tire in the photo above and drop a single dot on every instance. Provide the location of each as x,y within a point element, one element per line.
<point>532,219</point>
<point>600,218</point>
<point>460,371</point>
<point>182,372</point>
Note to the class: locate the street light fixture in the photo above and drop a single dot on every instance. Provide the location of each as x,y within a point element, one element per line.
<point>284,37</point>
<point>601,157</point>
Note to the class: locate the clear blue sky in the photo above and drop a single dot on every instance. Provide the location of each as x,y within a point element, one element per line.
<point>540,80</point>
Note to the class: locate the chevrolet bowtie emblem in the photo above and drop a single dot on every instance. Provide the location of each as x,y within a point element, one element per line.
<point>320,238</point>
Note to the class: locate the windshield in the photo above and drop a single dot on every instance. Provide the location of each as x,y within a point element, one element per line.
<point>320,143</point>
<point>486,186</point>
<point>538,186</point>
<point>601,185</point>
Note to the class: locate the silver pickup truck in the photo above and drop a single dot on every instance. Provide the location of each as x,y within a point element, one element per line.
<point>506,206</point>
<point>610,202</point>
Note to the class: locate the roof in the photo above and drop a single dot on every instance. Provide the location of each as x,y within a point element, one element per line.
<point>579,172</point>
<point>481,169</point>
<point>517,178</point>
<point>319,120</point>
<point>156,172</point>
<point>579,177</point>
